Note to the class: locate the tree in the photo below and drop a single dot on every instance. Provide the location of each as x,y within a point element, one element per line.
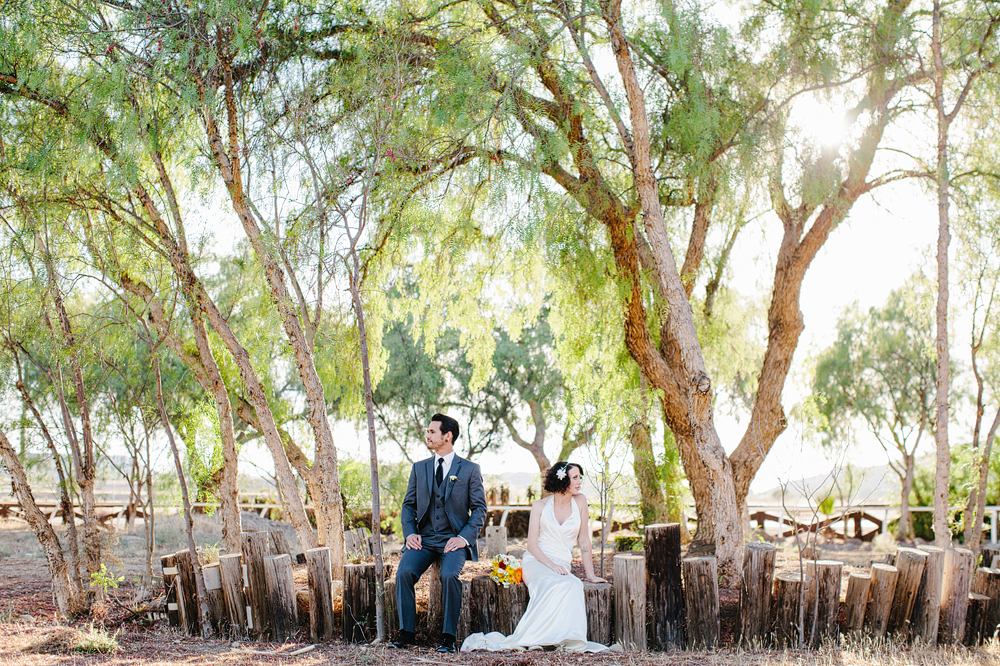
<point>882,369</point>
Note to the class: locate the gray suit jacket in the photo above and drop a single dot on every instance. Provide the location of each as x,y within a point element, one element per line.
<point>464,500</point>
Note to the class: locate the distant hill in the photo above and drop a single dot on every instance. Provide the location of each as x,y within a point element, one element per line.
<point>871,485</point>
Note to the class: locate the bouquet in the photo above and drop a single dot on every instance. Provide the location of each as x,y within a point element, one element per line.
<point>506,570</point>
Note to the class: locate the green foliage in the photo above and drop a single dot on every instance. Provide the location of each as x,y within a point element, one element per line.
<point>200,431</point>
<point>96,640</point>
<point>105,580</point>
<point>881,368</point>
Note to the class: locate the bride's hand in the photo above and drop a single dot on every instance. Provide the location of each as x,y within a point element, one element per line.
<point>596,579</point>
<point>560,570</point>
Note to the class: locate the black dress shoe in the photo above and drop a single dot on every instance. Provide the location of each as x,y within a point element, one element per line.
<point>447,648</point>
<point>400,644</point>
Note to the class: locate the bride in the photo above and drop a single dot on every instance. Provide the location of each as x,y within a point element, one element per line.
<point>556,615</point>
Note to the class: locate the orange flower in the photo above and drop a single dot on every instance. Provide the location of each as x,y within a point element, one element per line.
<point>515,574</point>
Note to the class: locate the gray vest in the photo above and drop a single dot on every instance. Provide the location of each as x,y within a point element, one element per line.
<point>436,527</point>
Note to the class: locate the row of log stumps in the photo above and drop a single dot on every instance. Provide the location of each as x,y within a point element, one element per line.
<point>250,594</point>
<point>659,600</point>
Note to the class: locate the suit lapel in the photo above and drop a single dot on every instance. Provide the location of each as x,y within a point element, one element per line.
<point>456,463</point>
<point>429,470</point>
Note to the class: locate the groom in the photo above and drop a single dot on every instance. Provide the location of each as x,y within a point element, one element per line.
<point>443,513</point>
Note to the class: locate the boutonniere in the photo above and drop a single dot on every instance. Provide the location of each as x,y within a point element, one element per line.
<point>452,479</point>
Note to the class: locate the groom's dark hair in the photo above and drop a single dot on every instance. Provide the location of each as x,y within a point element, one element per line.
<point>448,424</point>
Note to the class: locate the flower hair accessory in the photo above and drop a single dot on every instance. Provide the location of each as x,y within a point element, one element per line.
<point>561,472</point>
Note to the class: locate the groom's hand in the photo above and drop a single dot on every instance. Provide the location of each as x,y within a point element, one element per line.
<point>413,542</point>
<point>454,543</point>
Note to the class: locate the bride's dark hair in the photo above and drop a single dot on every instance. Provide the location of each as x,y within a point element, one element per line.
<point>554,484</point>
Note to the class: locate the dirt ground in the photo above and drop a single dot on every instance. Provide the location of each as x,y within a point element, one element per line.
<point>31,635</point>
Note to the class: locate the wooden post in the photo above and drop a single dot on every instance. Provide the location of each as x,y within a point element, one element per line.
<point>600,612</point>
<point>187,592</point>
<point>464,625</point>
<point>664,592</point>
<point>435,603</point>
<point>496,540</point>
<point>320,594</point>
<point>883,589</point>
<point>788,593</point>
<point>391,614</point>
<point>630,601</point>
<point>927,608</point>
<point>910,563</point>
<point>231,574</point>
<point>279,541</point>
<point>358,603</point>
<point>282,606</point>
<point>496,608</point>
<point>357,544</point>
<point>955,594</point>
<point>975,619</point>
<point>168,563</point>
<point>856,602</point>
<point>825,599</point>
<point>986,581</point>
<point>257,546</point>
<point>216,600</point>
<point>988,552</point>
<point>755,593</point>
<point>701,601</point>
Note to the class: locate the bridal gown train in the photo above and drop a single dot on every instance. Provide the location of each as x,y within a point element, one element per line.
<point>556,614</point>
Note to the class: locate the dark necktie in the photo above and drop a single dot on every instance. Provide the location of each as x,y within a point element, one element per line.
<point>439,475</point>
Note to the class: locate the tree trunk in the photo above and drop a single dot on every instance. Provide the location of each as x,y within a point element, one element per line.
<point>654,508</point>
<point>905,528</point>
<point>329,498</point>
<point>687,389</point>
<point>942,468</point>
<point>70,600</point>
<point>975,535</point>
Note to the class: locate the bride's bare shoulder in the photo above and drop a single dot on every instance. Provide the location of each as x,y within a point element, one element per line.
<point>538,504</point>
<point>581,500</point>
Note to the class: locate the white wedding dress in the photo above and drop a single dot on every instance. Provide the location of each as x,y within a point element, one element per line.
<point>556,615</point>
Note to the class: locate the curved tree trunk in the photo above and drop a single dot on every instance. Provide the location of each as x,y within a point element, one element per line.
<point>654,508</point>
<point>71,601</point>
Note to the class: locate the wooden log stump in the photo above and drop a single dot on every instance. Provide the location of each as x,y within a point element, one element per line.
<point>257,546</point>
<point>986,581</point>
<point>825,600</point>
<point>755,593</point>
<point>955,585</point>
<point>279,541</point>
<point>216,600</point>
<point>318,564</point>
<point>630,601</point>
<point>884,577</point>
<point>464,625</point>
<point>975,619</point>
<point>856,603</point>
<point>168,564</point>
<point>927,608</point>
<point>701,601</point>
<point>496,540</point>
<point>788,586</point>
<point>357,543</point>
<point>664,591</point>
<point>435,602</point>
<point>358,603</point>
<point>910,563</point>
<point>496,608</point>
<point>391,612</point>
<point>282,607</point>
<point>988,552</point>
<point>599,601</point>
<point>187,593</point>
<point>233,581</point>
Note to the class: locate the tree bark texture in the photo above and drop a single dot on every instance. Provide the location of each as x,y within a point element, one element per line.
<point>955,587</point>
<point>664,590</point>
<point>70,601</point>
<point>654,507</point>
<point>701,592</point>
<point>856,603</point>
<point>927,609</point>
<point>755,593</point>
<point>883,589</point>
<point>910,563</point>
<point>630,601</point>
